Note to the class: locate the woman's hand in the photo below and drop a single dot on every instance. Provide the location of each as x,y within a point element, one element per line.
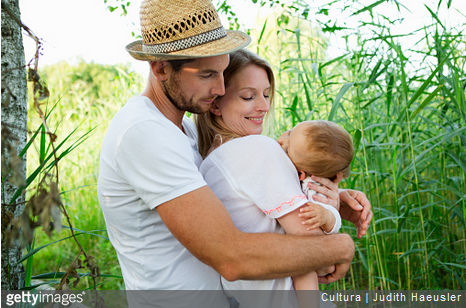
<point>329,189</point>
<point>356,208</point>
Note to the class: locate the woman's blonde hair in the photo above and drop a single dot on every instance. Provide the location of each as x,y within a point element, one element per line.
<point>329,150</point>
<point>208,128</point>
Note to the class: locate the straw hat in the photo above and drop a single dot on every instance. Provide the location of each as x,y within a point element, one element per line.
<point>177,29</point>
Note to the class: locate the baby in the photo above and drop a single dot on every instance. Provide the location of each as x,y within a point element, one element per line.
<point>324,149</point>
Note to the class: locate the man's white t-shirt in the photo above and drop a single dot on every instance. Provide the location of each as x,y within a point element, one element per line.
<point>257,183</point>
<point>145,161</point>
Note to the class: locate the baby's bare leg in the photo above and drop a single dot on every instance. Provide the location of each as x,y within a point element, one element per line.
<point>326,270</point>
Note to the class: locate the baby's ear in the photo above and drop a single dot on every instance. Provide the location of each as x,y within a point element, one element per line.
<point>302,175</point>
<point>338,178</point>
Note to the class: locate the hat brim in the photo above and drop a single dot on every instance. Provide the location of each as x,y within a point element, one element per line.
<point>234,40</point>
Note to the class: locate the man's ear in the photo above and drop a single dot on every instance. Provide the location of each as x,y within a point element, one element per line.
<point>160,69</point>
<point>214,109</point>
<point>302,175</point>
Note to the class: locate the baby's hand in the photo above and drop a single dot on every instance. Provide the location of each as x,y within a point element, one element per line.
<point>319,216</point>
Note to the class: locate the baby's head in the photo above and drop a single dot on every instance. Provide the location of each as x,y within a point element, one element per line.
<point>320,148</point>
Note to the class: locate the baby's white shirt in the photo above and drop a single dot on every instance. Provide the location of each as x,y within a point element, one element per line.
<point>310,192</point>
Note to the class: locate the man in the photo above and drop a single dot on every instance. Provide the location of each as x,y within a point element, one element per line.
<point>169,230</point>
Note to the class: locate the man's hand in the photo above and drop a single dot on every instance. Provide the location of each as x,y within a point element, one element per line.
<point>325,271</point>
<point>340,272</point>
<point>356,208</point>
<point>340,268</point>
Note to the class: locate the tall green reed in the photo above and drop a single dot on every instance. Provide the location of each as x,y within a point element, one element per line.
<point>404,106</point>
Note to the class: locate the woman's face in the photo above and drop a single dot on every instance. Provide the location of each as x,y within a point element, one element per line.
<point>246,101</point>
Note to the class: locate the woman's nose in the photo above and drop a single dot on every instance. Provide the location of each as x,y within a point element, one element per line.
<point>263,104</point>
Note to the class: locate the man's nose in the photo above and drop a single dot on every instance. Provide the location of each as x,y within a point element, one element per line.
<point>219,87</point>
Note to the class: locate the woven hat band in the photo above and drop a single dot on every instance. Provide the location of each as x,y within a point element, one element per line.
<point>186,43</point>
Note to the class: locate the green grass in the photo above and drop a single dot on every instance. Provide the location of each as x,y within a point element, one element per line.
<point>405,108</point>
<point>87,97</point>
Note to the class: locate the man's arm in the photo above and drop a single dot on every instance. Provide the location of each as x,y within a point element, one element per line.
<point>203,225</point>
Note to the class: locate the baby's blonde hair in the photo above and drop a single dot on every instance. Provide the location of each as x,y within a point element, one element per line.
<point>329,150</point>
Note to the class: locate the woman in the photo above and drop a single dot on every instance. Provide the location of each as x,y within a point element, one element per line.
<point>252,175</point>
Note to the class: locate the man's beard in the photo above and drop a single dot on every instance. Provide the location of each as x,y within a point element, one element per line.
<point>178,99</point>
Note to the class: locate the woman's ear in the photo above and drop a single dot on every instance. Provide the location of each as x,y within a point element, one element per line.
<point>214,109</point>
<point>302,175</point>
<point>160,69</point>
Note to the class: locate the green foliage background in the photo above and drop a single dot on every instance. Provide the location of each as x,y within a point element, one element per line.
<point>404,106</point>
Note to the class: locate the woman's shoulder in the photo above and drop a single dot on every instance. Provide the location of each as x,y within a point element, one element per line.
<point>246,148</point>
<point>255,141</point>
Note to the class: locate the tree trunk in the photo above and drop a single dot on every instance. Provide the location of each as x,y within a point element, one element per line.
<point>14,135</point>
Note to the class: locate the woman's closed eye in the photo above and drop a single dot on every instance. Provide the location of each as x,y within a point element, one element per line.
<point>248,98</point>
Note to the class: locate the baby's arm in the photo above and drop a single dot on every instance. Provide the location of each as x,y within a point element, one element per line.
<point>320,216</point>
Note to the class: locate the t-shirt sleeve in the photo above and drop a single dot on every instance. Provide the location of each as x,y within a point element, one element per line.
<point>258,168</point>
<point>309,193</point>
<point>157,162</point>
<point>336,214</point>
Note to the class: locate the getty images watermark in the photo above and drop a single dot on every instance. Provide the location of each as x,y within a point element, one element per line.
<point>35,298</point>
